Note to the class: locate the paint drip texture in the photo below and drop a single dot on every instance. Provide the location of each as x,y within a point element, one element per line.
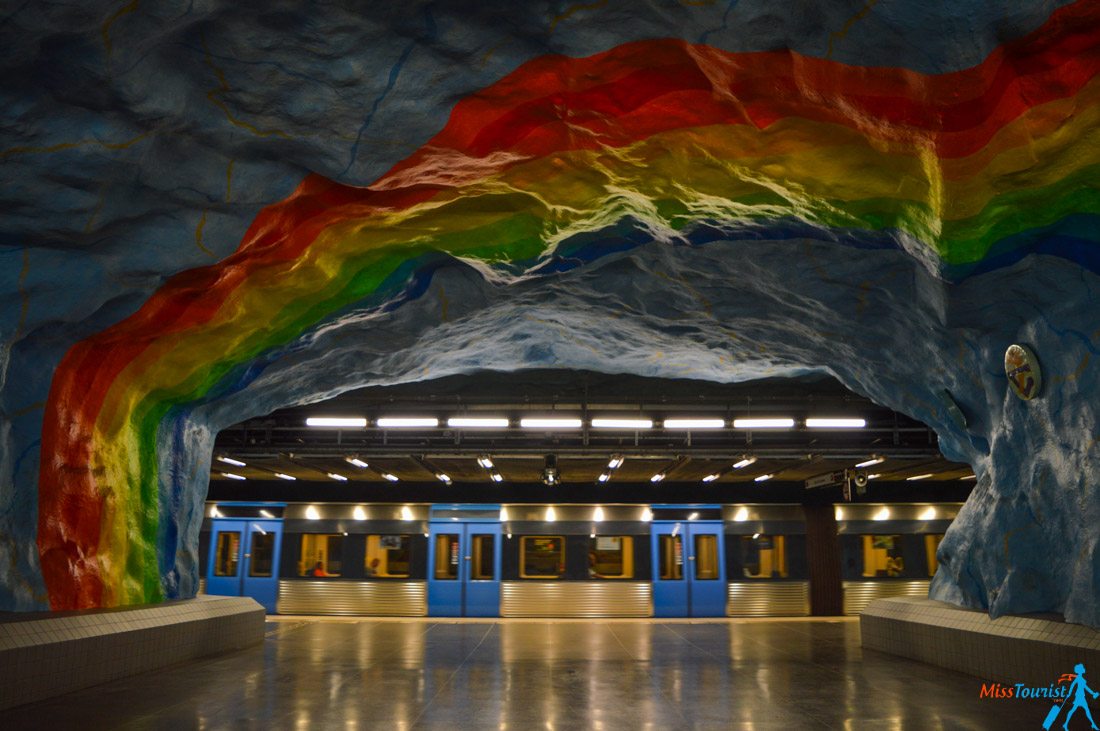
<point>216,213</point>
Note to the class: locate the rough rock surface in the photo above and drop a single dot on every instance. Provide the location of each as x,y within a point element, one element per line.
<point>140,142</point>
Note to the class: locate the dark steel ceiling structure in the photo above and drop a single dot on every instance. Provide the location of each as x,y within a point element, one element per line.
<point>382,462</point>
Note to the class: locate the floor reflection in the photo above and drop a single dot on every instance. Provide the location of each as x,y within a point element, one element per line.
<point>421,674</point>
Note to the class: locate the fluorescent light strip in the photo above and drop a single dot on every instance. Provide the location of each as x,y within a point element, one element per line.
<point>281,476</point>
<point>622,423</point>
<point>550,423</point>
<point>406,422</point>
<point>390,477</point>
<point>615,462</point>
<point>232,476</point>
<point>496,476</point>
<point>771,423</point>
<point>744,462</point>
<point>443,477</point>
<point>335,421</point>
<point>711,477</point>
<point>872,461</point>
<point>356,461</point>
<point>969,477</point>
<point>830,423</point>
<point>874,476</point>
<point>762,478</point>
<point>694,423</point>
<point>485,462</point>
<point>657,477</point>
<point>477,422</point>
<point>335,476</point>
<point>604,477</point>
<point>230,460</point>
<point>914,478</point>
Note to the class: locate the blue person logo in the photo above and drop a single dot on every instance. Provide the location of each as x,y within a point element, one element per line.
<point>1075,696</point>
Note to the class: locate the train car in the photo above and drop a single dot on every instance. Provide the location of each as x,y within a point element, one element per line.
<point>524,560</point>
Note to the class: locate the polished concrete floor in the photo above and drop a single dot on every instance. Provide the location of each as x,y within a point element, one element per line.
<point>515,674</point>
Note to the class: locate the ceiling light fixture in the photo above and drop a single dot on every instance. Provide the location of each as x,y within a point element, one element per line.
<point>356,461</point>
<point>597,515</point>
<point>390,477</point>
<point>711,477</point>
<point>657,477</point>
<point>744,462</point>
<point>359,513</point>
<point>693,516</point>
<point>969,477</point>
<point>266,514</point>
<point>741,515</point>
<point>232,476</point>
<point>622,423</point>
<point>406,513</point>
<point>406,422</point>
<point>914,478</point>
<point>477,422</point>
<point>874,476</point>
<point>604,477</point>
<point>335,476</point>
<point>647,515</point>
<point>762,478</point>
<point>550,473</point>
<point>550,423</point>
<point>835,423</point>
<point>443,477</point>
<point>929,513</point>
<point>230,460</point>
<point>769,423</point>
<point>875,459</point>
<point>282,476</point>
<point>883,514</point>
<point>680,423</point>
<point>615,462</point>
<point>312,514</point>
<point>485,462</point>
<point>551,514</point>
<point>496,477</point>
<point>755,536</point>
<point>336,421</point>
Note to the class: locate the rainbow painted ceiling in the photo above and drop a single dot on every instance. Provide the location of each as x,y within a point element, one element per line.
<point>561,164</point>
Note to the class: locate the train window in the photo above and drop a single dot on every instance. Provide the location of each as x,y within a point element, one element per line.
<point>261,555</point>
<point>482,558</point>
<point>321,554</point>
<point>227,553</point>
<point>931,545</point>
<point>446,556</point>
<point>763,556</point>
<point>388,556</point>
<point>882,556</point>
<point>542,557</point>
<point>670,557</point>
<point>706,557</point>
<point>611,557</point>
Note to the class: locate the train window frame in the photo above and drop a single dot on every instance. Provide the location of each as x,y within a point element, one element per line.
<point>306,568</point>
<point>231,556</point>
<point>870,543</point>
<point>779,560</point>
<point>523,557</point>
<point>626,560</point>
<point>375,550</point>
<point>932,543</point>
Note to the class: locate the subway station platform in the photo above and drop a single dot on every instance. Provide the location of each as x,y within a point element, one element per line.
<point>525,674</point>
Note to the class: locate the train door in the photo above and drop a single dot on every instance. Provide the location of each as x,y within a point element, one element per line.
<point>688,570</point>
<point>244,559</point>
<point>464,569</point>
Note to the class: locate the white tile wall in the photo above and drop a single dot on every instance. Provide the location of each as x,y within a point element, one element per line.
<point>43,655</point>
<point>1033,649</point>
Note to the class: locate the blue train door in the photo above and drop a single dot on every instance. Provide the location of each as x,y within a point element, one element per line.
<point>464,569</point>
<point>244,559</point>
<point>688,569</point>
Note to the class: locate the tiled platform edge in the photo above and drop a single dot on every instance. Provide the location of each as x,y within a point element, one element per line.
<point>1034,649</point>
<point>43,655</point>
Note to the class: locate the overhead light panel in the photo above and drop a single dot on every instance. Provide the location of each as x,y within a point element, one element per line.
<point>356,461</point>
<point>679,423</point>
<point>485,462</point>
<point>622,423</point>
<point>336,421</point>
<point>835,423</point>
<point>550,423</point>
<point>874,476</point>
<point>550,473</point>
<point>875,459</point>
<point>657,477</point>
<point>914,478</point>
<point>604,477</point>
<point>477,422</point>
<point>390,477</point>
<point>443,477</point>
<point>282,476</point>
<point>769,423</point>
<point>335,476</point>
<point>496,477</point>
<point>616,462</point>
<point>406,422</point>
<point>711,477</point>
<point>230,460</point>
<point>744,462</point>
<point>762,478</point>
<point>969,477</point>
<point>232,476</point>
